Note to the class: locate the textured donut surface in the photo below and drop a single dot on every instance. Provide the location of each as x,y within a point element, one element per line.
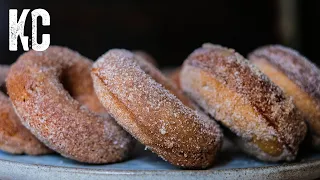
<point>244,100</point>
<point>297,76</point>
<point>151,113</point>
<point>14,137</point>
<point>53,94</point>
<point>152,71</point>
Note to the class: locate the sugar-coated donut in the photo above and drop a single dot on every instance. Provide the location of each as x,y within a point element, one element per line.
<point>298,77</point>
<point>151,70</point>
<point>137,96</point>
<point>232,90</point>
<point>53,94</point>
<point>14,137</point>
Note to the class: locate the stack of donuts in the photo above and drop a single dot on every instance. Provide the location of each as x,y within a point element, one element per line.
<point>95,112</point>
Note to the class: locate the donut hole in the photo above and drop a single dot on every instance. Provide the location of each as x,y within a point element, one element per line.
<point>69,79</point>
<point>4,69</point>
<point>66,83</point>
<point>3,88</point>
<point>76,80</point>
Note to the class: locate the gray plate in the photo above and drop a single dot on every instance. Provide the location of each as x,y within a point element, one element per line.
<point>231,164</point>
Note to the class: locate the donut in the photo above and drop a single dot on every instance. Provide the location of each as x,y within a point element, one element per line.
<point>147,57</point>
<point>142,101</point>
<point>14,137</point>
<point>151,70</point>
<point>53,94</point>
<point>264,122</point>
<point>298,77</point>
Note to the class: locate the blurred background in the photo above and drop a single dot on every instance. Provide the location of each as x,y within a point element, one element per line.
<point>171,30</point>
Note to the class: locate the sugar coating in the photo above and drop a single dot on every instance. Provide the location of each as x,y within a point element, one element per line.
<point>14,137</point>
<point>130,91</point>
<point>53,94</point>
<point>303,74</point>
<point>297,67</point>
<point>156,75</point>
<point>275,113</point>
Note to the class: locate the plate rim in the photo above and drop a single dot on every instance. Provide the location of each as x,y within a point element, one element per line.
<point>295,171</point>
<point>312,163</point>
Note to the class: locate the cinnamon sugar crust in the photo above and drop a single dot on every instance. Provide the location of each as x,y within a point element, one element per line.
<point>14,137</point>
<point>297,67</point>
<point>151,70</point>
<point>243,99</point>
<point>297,76</point>
<point>53,94</point>
<point>153,114</point>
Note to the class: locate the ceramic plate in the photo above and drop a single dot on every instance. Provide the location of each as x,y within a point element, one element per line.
<point>231,164</point>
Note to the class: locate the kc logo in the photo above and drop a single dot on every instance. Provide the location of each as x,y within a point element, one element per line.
<point>16,29</point>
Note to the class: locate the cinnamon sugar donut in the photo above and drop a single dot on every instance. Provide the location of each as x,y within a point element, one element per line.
<point>238,95</point>
<point>53,94</point>
<point>137,96</point>
<point>149,68</point>
<point>297,76</point>
<point>14,137</point>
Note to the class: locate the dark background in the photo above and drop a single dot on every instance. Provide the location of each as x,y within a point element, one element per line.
<point>170,30</point>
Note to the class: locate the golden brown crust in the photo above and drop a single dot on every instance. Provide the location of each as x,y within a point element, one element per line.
<point>152,114</point>
<point>297,76</point>
<point>64,124</point>
<point>14,137</point>
<point>249,96</point>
